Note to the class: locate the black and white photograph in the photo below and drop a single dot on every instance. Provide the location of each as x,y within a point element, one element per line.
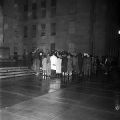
<point>59,59</point>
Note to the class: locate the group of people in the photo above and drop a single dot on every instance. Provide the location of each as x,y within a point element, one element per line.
<point>63,63</point>
<point>56,63</point>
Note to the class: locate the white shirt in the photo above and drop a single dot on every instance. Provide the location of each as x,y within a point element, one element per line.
<point>58,67</point>
<point>53,60</point>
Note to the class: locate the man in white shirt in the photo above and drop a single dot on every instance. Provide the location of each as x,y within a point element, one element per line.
<point>53,60</point>
<point>58,67</point>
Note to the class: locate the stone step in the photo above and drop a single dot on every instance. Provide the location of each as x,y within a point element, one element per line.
<point>16,75</point>
<point>15,72</point>
<point>12,68</point>
<point>9,72</point>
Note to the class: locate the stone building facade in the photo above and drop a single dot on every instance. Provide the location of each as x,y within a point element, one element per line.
<point>1,27</point>
<point>74,25</point>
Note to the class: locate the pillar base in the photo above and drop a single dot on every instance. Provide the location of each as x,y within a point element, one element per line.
<point>4,53</point>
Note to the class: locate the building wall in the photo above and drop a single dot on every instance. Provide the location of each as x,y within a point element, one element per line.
<point>72,26</point>
<point>12,27</point>
<point>100,28</point>
<point>1,27</point>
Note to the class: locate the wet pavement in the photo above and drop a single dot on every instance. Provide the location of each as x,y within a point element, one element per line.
<point>35,98</point>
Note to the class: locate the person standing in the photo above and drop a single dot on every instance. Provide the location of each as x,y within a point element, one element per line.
<point>37,65</point>
<point>75,66</point>
<point>64,64</point>
<point>44,65</point>
<point>80,63</point>
<point>58,66</point>
<point>84,68</point>
<point>53,60</point>
<point>48,65</point>
<point>36,62</point>
<point>88,67</point>
<point>69,65</point>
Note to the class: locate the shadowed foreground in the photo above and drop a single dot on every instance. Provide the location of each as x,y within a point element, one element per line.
<point>33,98</point>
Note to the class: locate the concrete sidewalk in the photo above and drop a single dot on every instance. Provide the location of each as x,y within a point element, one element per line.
<point>76,102</point>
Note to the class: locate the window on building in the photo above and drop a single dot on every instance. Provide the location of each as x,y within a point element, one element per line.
<point>34,14</point>
<point>34,10</point>
<point>34,6</point>
<point>43,3</point>
<point>43,13</point>
<point>15,48</point>
<point>52,47</point>
<point>53,3</point>
<point>53,11</point>
<point>25,7</point>
<point>43,27</point>
<point>15,3</point>
<point>34,31</point>
<point>26,1</point>
<point>25,31</point>
<point>25,16</point>
<point>43,8</point>
<point>53,29</point>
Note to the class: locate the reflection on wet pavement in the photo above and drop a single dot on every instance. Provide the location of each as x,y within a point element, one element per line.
<point>13,90</point>
<point>35,98</point>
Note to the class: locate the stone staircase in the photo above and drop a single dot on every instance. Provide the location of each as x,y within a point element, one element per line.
<point>8,72</point>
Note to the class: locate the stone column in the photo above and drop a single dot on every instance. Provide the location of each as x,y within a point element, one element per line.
<point>4,51</point>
